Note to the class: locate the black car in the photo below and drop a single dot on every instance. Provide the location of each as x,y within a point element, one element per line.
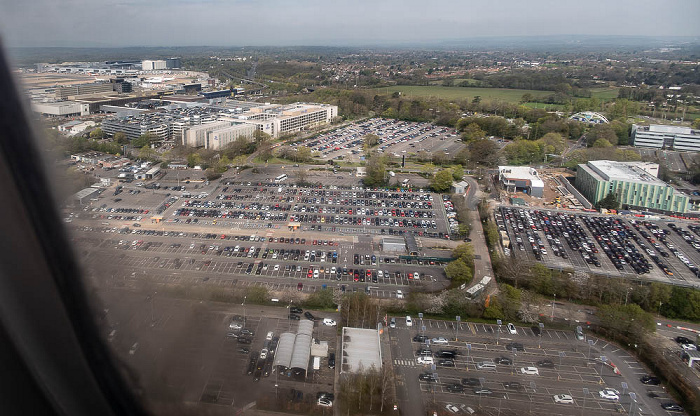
<point>295,309</point>
<point>672,407</point>
<point>503,361</point>
<point>684,340</point>
<point>252,363</point>
<point>545,364</point>
<point>449,354</point>
<point>324,395</point>
<point>446,363</point>
<point>424,351</point>
<point>536,330</point>
<point>420,338</point>
<point>515,346</point>
<point>294,317</point>
<point>429,377</point>
<point>455,388</point>
<point>244,340</point>
<point>331,360</point>
<point>471,381</point>
<point>650,380</point>
<point>309,316</point>
<point>512,385</point>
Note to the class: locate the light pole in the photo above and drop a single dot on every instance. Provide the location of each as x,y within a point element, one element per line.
<point>459,319</point>
<point>243,304</point>
<point>469,350</point>
<point>539,338</point>
<point>590,344</point>
<point>633,403</point>
<point>603,359</point>
<point>554,302</point>
<point>498,336</point>
<point>585,394</point>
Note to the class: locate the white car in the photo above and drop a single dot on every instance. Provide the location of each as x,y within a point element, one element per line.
<point>563,398</point>
<point>409,321</point>
<point>689,347</point>
<point>610,394</point>
<point>416,276</point>
<point>315,273</point>
<point>399,294</point>
<point>277,267</point>
<point>452,408</point>
<point>439,340</point>
<point>424,359</point>
<point>511,329</point>
<point>235,325</point>
<point>325,402</point>
<point>329,322</point>
<point>532,371</point>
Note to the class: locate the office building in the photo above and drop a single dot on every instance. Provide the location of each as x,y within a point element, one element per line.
<point>220,138</point>
<point>666,137</point>
<point>521,179</point>
<point>635,184</point>
<point>196,136</point>
<point>61,109</point>
<point>62,93</point>
<point>279,120</point>
<point>135,126</point>
<point>172,63</point>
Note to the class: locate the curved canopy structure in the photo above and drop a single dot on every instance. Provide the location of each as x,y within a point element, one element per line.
<point>283,355</point>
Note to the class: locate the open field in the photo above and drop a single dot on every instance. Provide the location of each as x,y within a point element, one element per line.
<point>505,94</point>
<point>454,93</point>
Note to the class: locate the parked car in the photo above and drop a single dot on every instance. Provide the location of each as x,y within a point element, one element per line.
<point>295,309</point>
<point>429,377</point>
<point>563,398</point>
<point>309,316</point>
<point>532,371</point>
<point>512,385</point>
<point>455,388</point>
<point>439,340</point>
<point>511,329</point>
<point>609,394</point>
<point>654,381</point>
<point>672,407</point>
<point>503,361</point>
<point>329,322</point>
<point>294,317</point>
<point>545,363</point>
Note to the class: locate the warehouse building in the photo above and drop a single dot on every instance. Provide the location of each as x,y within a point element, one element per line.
<point>666,137</point>
<point>393,245</point>
<point>361,350</point>
<point>61,109</point>
<point>521,179</point>
<point>62,93</point>
<point>635,184</point>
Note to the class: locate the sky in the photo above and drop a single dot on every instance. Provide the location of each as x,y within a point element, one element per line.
<point>107,23</point>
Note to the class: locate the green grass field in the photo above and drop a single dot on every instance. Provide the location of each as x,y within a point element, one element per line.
<point>457,93</point>
<point>505,94</point>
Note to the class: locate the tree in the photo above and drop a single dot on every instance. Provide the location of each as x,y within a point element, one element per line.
<point>142,140</point>
<point>194,159</point>
<point>457,172</point>
<point>376,171</point>
<point>484,151</point>
<point>458,271</point>
<point>609,202</point>
<point>441,181</point>
<point>465,252</point>
<point>265,150</point>
<point>371,140</point>
<point>472,132</point>
<point>526,98</point>
<point>303,154</point>
<point>602,143</point>
<point>553,143</point>
<point>97,133</point>
<point>696,123</point>
<point>146,153</point>
<point>601,131</point>
<point>260,136</point>
<point>684,303</point>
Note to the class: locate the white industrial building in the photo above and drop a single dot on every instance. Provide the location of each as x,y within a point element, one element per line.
<point>666,137</point>
<point>220,138</point>
<point>61,109</point>
<point>278,120</point>
<point>521,178</point>
<point>361,350</point>
<point>149,65</point>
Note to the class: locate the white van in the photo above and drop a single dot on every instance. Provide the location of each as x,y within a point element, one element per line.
<point>409,321</point>
<point>425,359</point>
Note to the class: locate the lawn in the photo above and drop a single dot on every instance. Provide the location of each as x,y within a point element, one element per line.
<point>505,94</point>
<point>456,93</point>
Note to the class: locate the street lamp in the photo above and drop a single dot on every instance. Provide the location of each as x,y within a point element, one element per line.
<point>539,339</point>
<point>554,302</point>
<point>459,319</point>
<point>590,344</point>
<point>585,394</point>
<point>498,336</point>
<point>243,304</point>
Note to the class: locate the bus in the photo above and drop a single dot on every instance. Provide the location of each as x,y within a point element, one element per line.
<point>283,177</point>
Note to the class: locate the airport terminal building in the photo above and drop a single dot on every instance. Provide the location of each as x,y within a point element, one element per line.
<point>636,185</point>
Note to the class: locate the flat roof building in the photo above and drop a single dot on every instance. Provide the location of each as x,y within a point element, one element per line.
<point>220,138</point>
<point>521,178</point>
<point>361,350</point>
<point>666,137</point>
<point>635,184</point>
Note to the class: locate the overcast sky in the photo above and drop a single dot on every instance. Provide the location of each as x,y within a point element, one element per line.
<point>330,22</point>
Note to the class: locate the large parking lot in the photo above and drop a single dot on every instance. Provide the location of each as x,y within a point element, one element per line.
<point>494,369</point>
<point>636,248</point>
<point>209,355</point>
<point>396,138</point>
<point>280,236</point>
